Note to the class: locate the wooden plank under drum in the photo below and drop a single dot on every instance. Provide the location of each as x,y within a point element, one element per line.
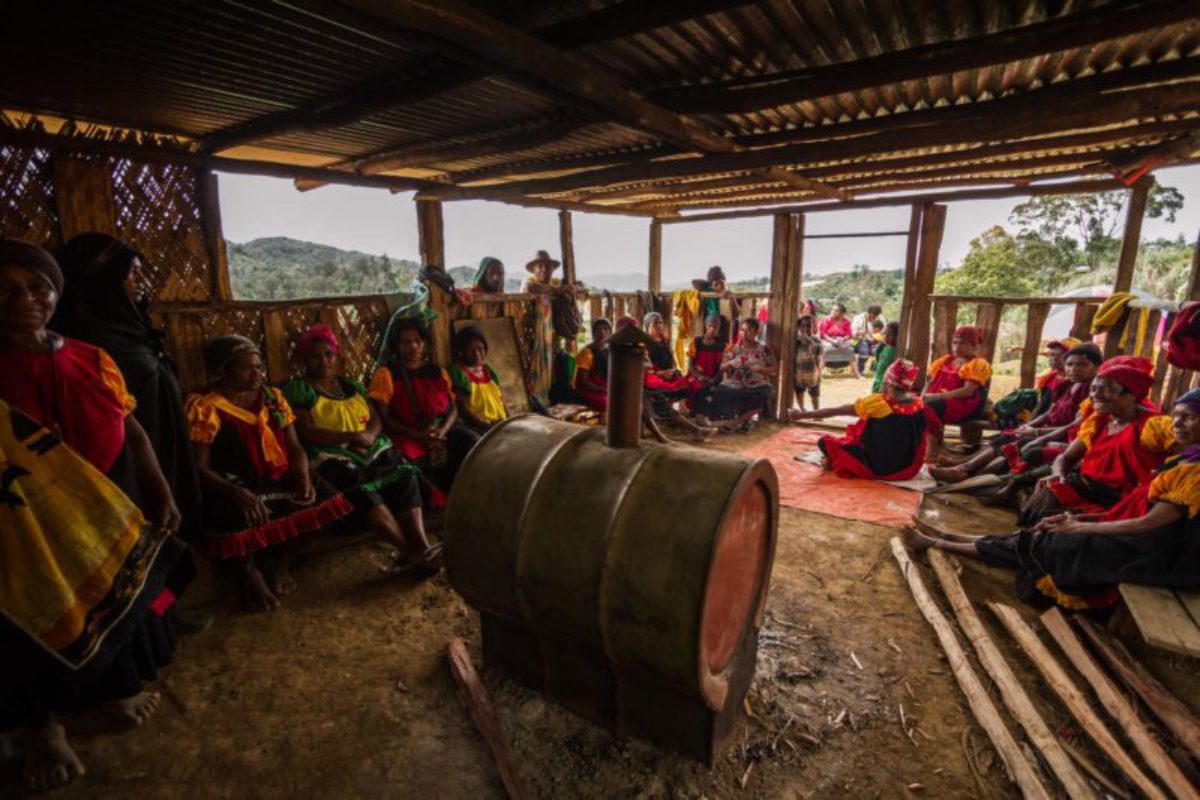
<point>1119,707</point>
<point>1163,620</point>
<point>1035,322</point>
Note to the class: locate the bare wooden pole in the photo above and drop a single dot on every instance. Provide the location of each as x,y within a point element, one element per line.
<point>1175,715</point>
<point>431,232</point>
<point>1014,695</point>
<point>933,224</point>
<point>1118,706</point>
<point>908,291</point>
<point>214,238</point>
<point>566,241</point>
<point>981,704</point>
<point>1134,215</point>
<point>786,267</point>
<point>1035,322</point>
<point>1073,698</point>
<point>654,280</point>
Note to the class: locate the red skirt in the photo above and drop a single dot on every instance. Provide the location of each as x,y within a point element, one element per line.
<point>593,395</point>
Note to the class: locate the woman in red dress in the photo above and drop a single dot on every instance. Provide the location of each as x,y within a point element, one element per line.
<point>888,441</point>
<point>77,393</point>
<point>416,404</point>
<point>1118,446</point>
<point>958,381</point>
<point>591,367</point>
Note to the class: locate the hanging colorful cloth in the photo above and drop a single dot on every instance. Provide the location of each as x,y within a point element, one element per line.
<point>1183,340</point>
<point>1110,313</point>
<point>686,303</point>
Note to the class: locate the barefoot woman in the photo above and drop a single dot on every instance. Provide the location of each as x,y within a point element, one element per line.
<point>1151,537</point>
<point>74,632</point>
<point>253,471</point>
<point>346,447</point>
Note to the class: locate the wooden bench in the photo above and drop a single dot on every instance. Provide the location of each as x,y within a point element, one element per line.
<point>1166,619</point>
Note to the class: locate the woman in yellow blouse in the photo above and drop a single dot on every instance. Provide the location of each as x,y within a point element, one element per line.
<point>958,381</point>
<point>1150,537</point>
<point>346,446</point>
<point>476,385</point>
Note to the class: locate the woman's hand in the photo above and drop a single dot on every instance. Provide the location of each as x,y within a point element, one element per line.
<point>1069,524</point>
<point>796,416</point>
<point>1024,432</point>
<point>364,439</point>
<point>163,513</point>
<point>304,491</point>
<point>254,510</point>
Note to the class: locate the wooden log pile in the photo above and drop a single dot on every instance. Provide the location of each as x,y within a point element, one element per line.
<point>1151,760</point>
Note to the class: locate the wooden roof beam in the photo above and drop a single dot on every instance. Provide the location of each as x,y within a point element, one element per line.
<point>626,18</point>
<point>592,86</point>
<point>1041,113</point>
<point>1053,35</point>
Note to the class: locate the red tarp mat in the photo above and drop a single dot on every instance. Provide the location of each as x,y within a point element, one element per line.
<point>808,487</point>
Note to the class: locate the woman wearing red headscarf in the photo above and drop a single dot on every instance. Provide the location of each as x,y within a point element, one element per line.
<point>1117,448</point>
<point>888,441</point>
<point>958,381</point>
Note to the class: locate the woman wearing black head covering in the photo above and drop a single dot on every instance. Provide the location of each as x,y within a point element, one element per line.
<point>104,304</point>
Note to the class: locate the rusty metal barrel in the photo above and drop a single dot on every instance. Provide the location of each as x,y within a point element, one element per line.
<point>627,583</point>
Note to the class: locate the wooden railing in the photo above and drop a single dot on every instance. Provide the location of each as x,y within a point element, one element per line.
<point>1135,332</point>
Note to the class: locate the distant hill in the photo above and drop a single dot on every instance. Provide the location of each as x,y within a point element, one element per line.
<point>279,268</point>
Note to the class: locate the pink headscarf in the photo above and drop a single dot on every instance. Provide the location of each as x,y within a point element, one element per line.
<point>317,333</point>
<point>970,334</point>
<point>901,373</point>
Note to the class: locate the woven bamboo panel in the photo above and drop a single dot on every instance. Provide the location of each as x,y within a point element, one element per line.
<point>225,321</point>
<point>158,212</point>
<point>28,209</point>
<point>359,329</point>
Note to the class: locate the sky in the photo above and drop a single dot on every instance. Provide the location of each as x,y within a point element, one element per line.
<point>376,221</point>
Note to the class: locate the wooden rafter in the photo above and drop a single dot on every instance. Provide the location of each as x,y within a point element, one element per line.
<point>1071,31</point>
<point>1040,113</point>
<point>439,75</point>
<point>542,63</point>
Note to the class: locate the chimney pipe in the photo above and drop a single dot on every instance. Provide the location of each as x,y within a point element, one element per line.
<point>626,368</point>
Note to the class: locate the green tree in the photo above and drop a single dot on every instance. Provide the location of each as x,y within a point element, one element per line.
<point>1090,220</point>
<point>997,264</point>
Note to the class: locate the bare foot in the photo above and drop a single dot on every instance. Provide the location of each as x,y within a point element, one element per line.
<point>50,762</point>
<point>915,541</point>
<point>948,474</point>
<point>281,581</point>
<point>132,711</point>
<point>256,595</point>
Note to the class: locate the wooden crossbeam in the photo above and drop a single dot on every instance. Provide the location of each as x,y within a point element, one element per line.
<point>1045,112</point>
<point>1028,41</point>
<point>592,86</point>
<point>440,75</point>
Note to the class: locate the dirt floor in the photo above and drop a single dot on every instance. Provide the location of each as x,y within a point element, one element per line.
<point>344,693</point>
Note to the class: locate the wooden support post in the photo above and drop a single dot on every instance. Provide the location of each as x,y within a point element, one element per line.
<point>1034,323</point>
<point>566,241</point>
<point>1011,692</point>
<point>945,318</point>
<point>1081,328</point>
<point>655,265</point>
<point>214,238</point>
<point>1118,706</point>
<point>786,265</point>
<point>1175,715</point>
<point>84,193</point>
<point>1133,234</point>
<point>933,224</point>
<point>276,346</point>
<point>431,232</point>
<point>981,704</point>
<point>1113,336</point>
<point>987,319</point>
<point>908,291</point>
<point>1073,698</point>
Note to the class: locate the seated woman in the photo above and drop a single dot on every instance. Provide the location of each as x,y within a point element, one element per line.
<point>958,381</point>
<point>1118,446</point>
<point>706,352</point>
<point>83,500</point>
<point>489,278</point>
<point>591,367</point>
<point>258,493</point>
<point>1150,537</point>
<point>885,355</point>
<point>1028,443</point>
<point>888,441</point>
<point>1019,406</point>
<point>415,401</point>
<point>665,385</point>
<point>342,434</point>
<point>476,385</point>
<point>746,385</point>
